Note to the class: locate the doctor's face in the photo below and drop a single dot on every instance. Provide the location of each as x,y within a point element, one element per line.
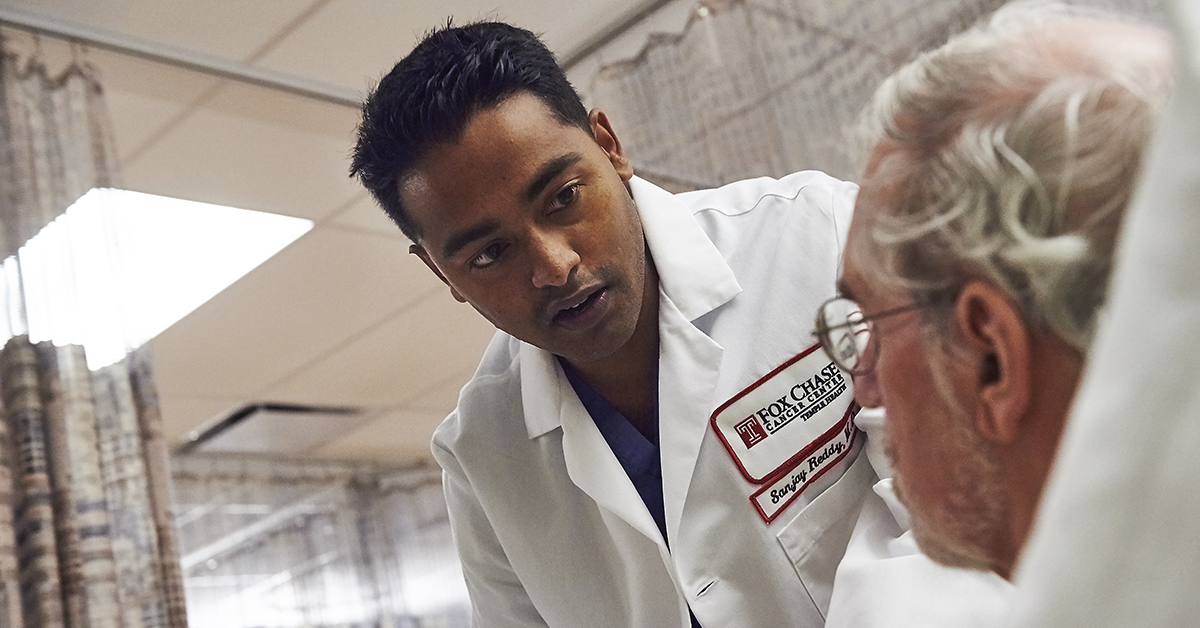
<point>944,472</point>
<point>530,221</point>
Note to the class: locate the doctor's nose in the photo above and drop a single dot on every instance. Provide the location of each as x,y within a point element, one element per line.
<point>553,260</point>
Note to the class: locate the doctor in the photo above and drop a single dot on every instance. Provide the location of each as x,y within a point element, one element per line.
<point>653,438</point>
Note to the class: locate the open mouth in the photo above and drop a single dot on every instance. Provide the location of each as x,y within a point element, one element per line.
<point>582,312</point>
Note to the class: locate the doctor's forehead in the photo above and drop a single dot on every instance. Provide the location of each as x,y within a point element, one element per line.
<point>510,141</point>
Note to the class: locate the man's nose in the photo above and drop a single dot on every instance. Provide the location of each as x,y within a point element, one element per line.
<point>553,259</point>
<point>866,390</point>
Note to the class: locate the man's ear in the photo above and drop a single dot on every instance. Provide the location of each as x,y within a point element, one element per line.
<point>999,345</point>
<point>419,251</point>
<point>607,139</point>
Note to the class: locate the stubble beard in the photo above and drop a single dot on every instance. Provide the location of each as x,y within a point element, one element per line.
<point>968,525</point>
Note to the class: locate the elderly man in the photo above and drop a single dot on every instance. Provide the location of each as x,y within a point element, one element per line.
<point>978,261</point>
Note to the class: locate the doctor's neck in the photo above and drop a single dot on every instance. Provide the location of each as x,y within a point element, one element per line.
<point>628,379</point>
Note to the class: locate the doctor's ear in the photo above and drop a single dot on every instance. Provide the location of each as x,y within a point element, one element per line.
<point>606,138</point>
<point>419,251</point>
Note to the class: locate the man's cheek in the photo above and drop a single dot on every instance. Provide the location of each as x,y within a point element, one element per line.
<point>892,453</point>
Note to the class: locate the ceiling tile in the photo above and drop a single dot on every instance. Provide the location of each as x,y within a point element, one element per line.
<point>244,161</point>
<point>138,119</point>
<point>400,438</point>
<point>383,32</point>
<point>280,430</point>
<point>220,27</point>
<point>276,108</point>
<point>182,414</point>
<point>325,288</point>
<point>429,346</point>
<point>157,81</point>
<point>366,214</point>
<point>442,399</point>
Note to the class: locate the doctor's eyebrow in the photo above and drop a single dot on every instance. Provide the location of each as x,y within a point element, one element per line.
<point>457,241</point>
<point>547,173</point>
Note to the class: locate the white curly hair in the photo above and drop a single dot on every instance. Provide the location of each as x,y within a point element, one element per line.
<point>1011,155</point>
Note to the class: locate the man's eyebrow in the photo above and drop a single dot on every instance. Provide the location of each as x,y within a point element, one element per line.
<point>457,241</point>
<point>547,173</point>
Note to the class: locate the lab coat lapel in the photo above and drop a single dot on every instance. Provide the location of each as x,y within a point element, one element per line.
<point>689,363</point>
<point>691,271</point>
<point>550,402</point>
<point>694,279</point>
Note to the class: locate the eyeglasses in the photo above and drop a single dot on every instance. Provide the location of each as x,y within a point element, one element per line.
<point>845,333</point>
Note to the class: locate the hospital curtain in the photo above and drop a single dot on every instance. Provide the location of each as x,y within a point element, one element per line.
<point>86,534</point>
<point>297,544</point>
<point>749,88</point>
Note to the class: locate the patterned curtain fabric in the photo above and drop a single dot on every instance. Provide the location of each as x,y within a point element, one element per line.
<point>295,544</point>
<point>56,144</point>
<point>87,538</point>
<point>755,88</point>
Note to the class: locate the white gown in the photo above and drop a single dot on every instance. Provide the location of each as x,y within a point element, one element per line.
<point>1117,542</point>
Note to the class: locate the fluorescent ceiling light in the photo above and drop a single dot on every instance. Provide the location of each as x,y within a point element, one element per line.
<point>119,267</point>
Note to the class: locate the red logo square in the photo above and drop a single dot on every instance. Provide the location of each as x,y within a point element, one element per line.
<point>751,431</point>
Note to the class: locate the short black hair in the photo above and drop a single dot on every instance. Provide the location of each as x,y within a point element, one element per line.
<point>429,97</point>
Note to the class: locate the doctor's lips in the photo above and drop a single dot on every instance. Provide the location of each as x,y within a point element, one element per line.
<point>582,309</point>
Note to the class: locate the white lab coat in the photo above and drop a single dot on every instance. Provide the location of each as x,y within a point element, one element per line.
<point>1115,542</point>
<point>549,527</point>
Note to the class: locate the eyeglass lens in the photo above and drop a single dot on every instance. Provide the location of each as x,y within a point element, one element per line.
<point>847,335</point>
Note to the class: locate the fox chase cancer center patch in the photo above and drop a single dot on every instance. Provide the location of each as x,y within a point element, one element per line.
<point>801,412</point>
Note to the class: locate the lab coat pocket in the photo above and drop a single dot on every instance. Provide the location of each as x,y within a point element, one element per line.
<point>815,539</point>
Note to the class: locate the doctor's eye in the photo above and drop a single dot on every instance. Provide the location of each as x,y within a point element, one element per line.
<point>488,255</point>
<point>566,197</point>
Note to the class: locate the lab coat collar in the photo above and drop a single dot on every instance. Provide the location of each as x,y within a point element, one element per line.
<point>542,388</point>
<point>550,402</point>
<point>691,271</point>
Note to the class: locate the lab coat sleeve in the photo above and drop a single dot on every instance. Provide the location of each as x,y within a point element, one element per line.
<point>498,598</point>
